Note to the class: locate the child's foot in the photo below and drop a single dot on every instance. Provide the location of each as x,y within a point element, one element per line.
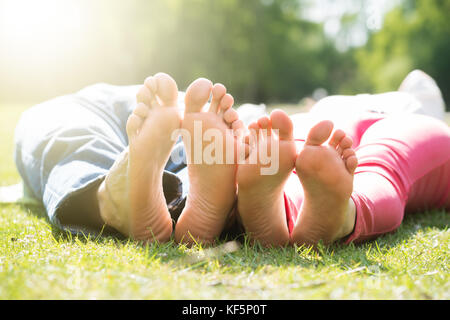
<point>149,129</point>
<point>326,174</point>
<point>212,190</point>
<point>261,197</point>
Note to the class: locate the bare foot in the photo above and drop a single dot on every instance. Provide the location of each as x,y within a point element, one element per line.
<point>141,211</point>
<point>261,197</point>
<point>212,190</point>
<point>326,174</point>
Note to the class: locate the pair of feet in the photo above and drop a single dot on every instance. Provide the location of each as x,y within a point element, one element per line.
<point>325,171</point>
<point>325,166</point>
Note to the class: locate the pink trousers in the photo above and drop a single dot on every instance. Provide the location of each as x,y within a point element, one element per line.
<point>404,167</point>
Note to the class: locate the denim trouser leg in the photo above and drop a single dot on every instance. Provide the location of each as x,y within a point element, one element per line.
<point>65,147</point>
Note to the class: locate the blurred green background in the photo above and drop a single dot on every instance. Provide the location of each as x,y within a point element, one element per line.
<point>265,51</point>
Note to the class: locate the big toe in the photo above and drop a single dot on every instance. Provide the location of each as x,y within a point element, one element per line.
<point>197,95</point>
<point>164,87</point>
<point>280,121</point>
<point>319,133</point>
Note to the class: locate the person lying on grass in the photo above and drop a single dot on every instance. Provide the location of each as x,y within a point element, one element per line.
<point>346,171</point>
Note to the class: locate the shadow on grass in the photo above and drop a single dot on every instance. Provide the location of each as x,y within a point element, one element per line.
<point>238,254</point>
<point>69,234</point>
<point>252,257</point>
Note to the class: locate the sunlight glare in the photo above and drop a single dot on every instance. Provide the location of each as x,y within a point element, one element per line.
<point>30,23</point>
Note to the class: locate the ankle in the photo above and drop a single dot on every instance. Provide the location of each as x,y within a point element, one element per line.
<point>113,196</point>
<point>109,212</point>
<point>350,220</point>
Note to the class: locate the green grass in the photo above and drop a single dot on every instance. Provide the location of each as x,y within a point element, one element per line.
<point>9,115</point>
<point>39,262</point>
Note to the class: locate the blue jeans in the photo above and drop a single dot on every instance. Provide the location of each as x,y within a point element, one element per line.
<point>64,148</point>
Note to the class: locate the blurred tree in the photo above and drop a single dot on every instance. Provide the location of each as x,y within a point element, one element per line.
<point>416,34</point>
<point>261,49</point>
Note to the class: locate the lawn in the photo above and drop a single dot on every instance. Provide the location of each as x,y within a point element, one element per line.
<point>39,262</point>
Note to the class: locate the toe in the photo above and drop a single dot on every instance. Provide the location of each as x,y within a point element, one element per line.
<point>265,126</point>
<point>218,91</point>
<point>351,163</point>
<point>264,122</point>
<point>337,136</point>
<point>254,126</point>
<point>150,83</point>
<point>253,133</point>
<point>141,110</point>
<point>226,102</point>
<point>238,125</point>
<point>230,116</point>
<point>283,124</point>
<point>348,153</point>
<point>165,89</point>
<point>134,123</point>
<point>238,129</point>
<point>197,95</point>
<point>345,143</point>
<point>144,95</point>
<point>319,133</point>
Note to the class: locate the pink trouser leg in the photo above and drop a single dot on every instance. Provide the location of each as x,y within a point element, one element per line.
<point>404,162</point>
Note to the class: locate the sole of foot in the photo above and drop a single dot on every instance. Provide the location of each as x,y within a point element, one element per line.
<point>326,173</point>
<point>209,139</point>
<point>149,128</point>
<point>260,193</point>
